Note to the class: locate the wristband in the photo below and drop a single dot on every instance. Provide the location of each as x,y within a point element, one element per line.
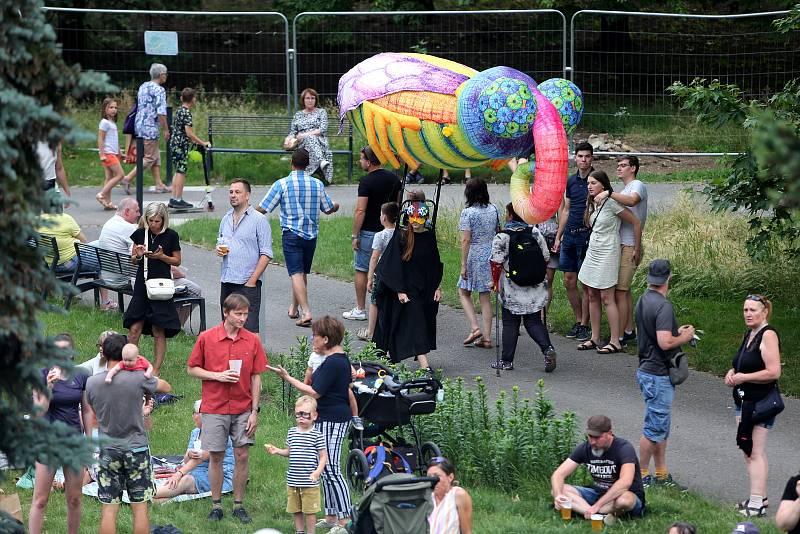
<point>353,237</point>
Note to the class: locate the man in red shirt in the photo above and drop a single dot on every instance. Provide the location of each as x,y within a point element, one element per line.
<point>229,360</point>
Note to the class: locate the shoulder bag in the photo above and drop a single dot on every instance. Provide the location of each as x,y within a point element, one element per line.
<point>678,368</point>
<point>157,288</point>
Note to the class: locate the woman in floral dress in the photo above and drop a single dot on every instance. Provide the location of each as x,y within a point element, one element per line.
<point>478,225</point>
<point>310,127</point>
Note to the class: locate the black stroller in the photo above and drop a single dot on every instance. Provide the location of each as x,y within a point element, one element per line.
<point>396,504</point>
<point>385,404</point>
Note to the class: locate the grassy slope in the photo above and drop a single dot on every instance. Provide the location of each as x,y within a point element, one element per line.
<point>527,510</point>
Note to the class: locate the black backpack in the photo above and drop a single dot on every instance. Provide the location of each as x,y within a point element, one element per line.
<point>526,265</point>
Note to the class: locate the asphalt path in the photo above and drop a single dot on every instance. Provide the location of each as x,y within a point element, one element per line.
<point>702,453</point>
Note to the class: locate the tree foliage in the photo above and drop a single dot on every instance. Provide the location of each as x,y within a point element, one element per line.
<point>34,85</point>
<point>764,181</point>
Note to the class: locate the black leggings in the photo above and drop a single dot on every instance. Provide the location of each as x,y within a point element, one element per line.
<point>533,324</point>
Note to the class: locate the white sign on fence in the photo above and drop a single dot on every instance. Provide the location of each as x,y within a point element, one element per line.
<point>161,43</point>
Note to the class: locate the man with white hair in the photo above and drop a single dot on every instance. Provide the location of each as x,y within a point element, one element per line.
<point>150,116</point>
<point>116,232</point>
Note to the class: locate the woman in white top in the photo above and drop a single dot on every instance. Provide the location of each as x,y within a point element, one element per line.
<point>600,268</point>
<point>108,144</point>
<point>452,505</point>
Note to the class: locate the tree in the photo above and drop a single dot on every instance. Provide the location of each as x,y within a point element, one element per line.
<point>34,85</point>
<point>764,181</point>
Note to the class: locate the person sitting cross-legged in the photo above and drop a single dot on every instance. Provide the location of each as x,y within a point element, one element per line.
<point>613,465</point>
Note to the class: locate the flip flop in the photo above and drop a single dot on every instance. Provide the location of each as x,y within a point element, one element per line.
<point>587,345</point>
<point>609,349</point>
<point>483,344</point>
<point>306,323</point>
<point>295,316</point>
<point>107,205</point>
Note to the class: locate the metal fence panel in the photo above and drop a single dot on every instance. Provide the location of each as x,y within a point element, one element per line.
<point>328,44</point>
<point>623,62</point>
<point>226,53</point>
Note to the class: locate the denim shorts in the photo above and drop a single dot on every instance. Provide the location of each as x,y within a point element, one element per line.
<point>364,252</point>
<point>590,495</point>
<point>769,423</point>
<point>658,393</point>
<point>298,253</point>
<point>573,249</point>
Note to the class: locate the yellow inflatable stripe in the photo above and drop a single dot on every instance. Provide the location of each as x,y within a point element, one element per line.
<point>369,124</point>
<point>445,64</point>
<point>460,140</point>
<point>439,148</point>
<point>421,104</point>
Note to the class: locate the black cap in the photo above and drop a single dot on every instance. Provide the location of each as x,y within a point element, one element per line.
<point>597,425</point>
<point>658,273</point>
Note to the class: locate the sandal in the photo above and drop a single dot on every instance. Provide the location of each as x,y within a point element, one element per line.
<point>295,316</point>
<point>364,335</point>
<point>305,323</point>
<point>473,337</point>
<point>609,349</point>
<point>163,189</point>
<point>483,344</point>
<point>589,344</point>
<point>126,186</point>
<point>107,205</point>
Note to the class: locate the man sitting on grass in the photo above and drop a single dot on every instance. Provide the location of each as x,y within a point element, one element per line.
<point>614,467</point>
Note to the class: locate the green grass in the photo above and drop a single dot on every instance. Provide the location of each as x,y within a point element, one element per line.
<point>524,511</point>
<point>712,275</point>
<point>83,166</point>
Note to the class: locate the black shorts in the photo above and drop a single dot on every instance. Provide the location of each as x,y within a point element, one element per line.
<point>125,470</point>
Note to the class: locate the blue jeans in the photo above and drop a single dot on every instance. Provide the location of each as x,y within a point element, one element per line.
<point>298,253</point>
<point>364,252</point>
<point>658,393</point>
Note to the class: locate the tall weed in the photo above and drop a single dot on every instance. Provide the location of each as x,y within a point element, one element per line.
<point>709,257</point>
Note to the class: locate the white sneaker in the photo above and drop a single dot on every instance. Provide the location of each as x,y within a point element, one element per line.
<point>355,315</point>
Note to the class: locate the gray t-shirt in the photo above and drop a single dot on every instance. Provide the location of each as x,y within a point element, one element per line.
<point>118,406</point>
<point>381,239</point>
<point>653,313</point>
<point>626,236</point>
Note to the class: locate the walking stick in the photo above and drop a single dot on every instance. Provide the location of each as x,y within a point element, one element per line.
<point>497,331</point>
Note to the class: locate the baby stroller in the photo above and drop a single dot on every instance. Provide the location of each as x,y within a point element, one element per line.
<point>396,504</point>
<point>385,404</point>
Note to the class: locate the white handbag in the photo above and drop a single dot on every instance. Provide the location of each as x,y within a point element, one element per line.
<point>157,288</point>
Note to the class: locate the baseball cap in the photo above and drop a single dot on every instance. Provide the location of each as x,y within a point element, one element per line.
<point>658,272</point>
<point>597,425</point>
<point>747,527</point>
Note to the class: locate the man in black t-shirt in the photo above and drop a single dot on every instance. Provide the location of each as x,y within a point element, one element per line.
<point>658,338</point>
<point>788,516</point>
<point>612,463</point>
<point>376,188</point>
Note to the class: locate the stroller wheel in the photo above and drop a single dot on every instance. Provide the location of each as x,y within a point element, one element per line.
<point>428,451</point>
<point>357,471</point>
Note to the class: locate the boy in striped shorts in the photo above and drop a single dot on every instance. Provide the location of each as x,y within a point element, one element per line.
<point>305,448</point>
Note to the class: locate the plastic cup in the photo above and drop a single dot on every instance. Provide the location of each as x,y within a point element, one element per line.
<point>235,366</point>
<point>566,508</point>
<point>222,244</point>
<point>197,446</point>
<point>597,522</point>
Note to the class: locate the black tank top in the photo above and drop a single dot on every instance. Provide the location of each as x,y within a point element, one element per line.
<point>749,360</point>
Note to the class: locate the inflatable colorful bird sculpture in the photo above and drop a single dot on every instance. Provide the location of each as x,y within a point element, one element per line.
<point>421,109</point>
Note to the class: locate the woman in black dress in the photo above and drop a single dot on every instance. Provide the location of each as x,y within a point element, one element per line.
<point>408,294</point>
<point>156,318</point>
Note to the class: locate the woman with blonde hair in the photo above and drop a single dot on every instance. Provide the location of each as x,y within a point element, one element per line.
<point>754,376</point>
<point>158,246</point>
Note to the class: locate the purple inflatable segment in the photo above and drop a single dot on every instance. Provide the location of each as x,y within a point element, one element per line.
<point>388,73</point>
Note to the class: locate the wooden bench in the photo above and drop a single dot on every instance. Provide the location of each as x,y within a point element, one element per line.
<point>274,128</point>
<point>49,247</point>
<point>115,274</point>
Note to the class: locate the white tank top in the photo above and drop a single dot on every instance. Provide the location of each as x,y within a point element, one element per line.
<point>444,518</point>
<point>47,160</point>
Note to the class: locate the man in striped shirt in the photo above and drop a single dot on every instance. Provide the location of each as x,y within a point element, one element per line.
<point>245,246</point>
<point>301,198</point>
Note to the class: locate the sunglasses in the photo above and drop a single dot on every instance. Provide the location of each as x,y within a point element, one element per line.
<point>437,460</point>
<point>302,415</point>
<point>757,298</point>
